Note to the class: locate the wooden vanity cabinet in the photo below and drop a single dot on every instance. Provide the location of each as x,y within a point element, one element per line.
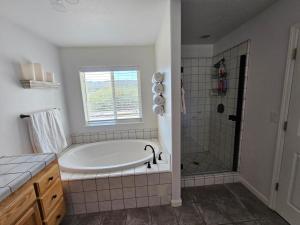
<point>49,192</point>
<point>38,202</point>
<point>30,217</point>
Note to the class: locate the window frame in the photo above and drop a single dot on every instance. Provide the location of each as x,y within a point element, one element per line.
<point>89,123</point>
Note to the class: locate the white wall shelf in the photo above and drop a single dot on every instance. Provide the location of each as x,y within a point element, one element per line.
<point>29,84</point>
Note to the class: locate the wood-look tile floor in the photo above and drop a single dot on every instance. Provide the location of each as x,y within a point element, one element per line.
<point>230,204</point>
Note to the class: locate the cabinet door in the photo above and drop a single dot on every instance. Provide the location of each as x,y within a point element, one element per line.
<point>31,217</point>
<point>288,198</point>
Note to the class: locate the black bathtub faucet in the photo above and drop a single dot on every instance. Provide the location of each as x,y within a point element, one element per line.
<point>154,157</point>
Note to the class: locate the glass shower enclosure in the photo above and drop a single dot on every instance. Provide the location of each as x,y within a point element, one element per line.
<point>211,127</point>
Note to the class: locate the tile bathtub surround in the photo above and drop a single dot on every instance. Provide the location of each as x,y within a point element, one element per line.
<point>110,193</point>
<point>210,179</point>
<point>130,188</point>
<point>230,204</point>
<point>17,170</point>
<point>146,133</point>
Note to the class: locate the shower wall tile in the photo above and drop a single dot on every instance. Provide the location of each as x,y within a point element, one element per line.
<point>203,129</point>
<point>195,123</point>
<point>146,133</point>
<point>222,130</point>
<point>210,179</point>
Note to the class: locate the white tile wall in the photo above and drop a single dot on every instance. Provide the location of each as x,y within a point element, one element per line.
<point>116,194</point>
<point>129,192</point>
<point>128,181</point>
<point>115,182</point>
<point>130,203</point>
<point>94,194</point>
<point>102,194</point>
<point>154,200</point>
<point>117,204</point>
<point>153,179</point>
<point>141,191</point>
<point>91,196</point>
<point>203,180</point>
<point>130,188</point>
<point>195,123</point>
<point>146,133</point>
<point>141,180</point>
<point>221,141</point>
<point>92,207</point>
<point>89,185</point>
<point>143,202</point>
<point>102,183</point>
<point>203,129</point>
<point>103,206</point>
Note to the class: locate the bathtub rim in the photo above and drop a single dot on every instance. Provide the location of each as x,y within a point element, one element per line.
<point>88,170</point>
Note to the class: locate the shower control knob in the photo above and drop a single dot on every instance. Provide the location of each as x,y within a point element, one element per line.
<point>232,117</point>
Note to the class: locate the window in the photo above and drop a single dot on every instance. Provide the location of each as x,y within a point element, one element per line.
<point>111,96</point>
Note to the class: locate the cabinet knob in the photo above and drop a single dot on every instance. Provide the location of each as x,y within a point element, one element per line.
<point>54,196</point>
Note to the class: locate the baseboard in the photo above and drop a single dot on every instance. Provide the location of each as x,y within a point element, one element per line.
<point>254,191</point>
<point>176,203</point>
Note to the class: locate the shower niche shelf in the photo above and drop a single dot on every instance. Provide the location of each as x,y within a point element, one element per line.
<point>220,83</point>
<point>31,84</point>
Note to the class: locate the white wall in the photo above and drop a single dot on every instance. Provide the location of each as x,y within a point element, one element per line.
<point>190,51</point>
<point>17,46</point>
<point>269,35</point>
<point>163,64</point>
<point>167,50</point>
<point>176,97</point>
<point>74,58</point>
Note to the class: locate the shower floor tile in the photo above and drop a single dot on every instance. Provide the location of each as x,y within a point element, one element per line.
<point>198,163</point>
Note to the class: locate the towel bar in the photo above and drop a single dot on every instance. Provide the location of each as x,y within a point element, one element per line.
<point>22,116</point>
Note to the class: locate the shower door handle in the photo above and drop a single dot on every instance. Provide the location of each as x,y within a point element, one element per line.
<point>232,117</point>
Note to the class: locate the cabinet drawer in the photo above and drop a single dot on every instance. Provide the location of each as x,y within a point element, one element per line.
<point>17,205</point>
<point>44,182</point>
<point>57,214</point>
<point>51,198</point>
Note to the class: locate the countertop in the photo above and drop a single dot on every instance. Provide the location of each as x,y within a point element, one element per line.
<point>17,170</point>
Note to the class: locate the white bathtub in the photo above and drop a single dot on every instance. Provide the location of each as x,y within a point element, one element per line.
<point>107,156</point>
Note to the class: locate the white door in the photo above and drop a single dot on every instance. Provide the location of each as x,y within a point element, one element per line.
<point>288,198</point>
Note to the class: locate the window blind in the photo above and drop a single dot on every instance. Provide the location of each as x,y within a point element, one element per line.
<point>112,95</point>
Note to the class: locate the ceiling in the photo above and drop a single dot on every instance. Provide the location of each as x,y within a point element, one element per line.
<point>89,23</point>
<point>216,17</point>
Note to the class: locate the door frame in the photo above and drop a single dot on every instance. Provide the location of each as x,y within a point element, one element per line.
<point>286,94</point>
<point>243,62</point>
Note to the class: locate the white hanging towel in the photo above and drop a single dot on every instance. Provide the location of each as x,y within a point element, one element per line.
<point>158,77</point>
<point>158,88</point>
<point>183,107</point>
<point>46,132</point>
<point>158,100</point>
<point>158,109</point>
